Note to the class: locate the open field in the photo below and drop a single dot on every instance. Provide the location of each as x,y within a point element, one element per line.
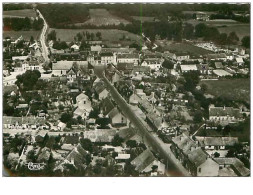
<point>185,48</point>
<point>237,89</point>
<point>25,34</point>
<point>112,35</point>
<point>99,17</point>
<point>19,13</point>
<point>241,30</point>
<point>226,26</point>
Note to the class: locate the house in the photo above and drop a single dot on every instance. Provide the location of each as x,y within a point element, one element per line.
<point>61,126</point>
<point>20,58</point>
<point>134,99</point>
<point>101,91</point>
<point>235,164</point>
<point>94,60</point>
<point>122,157</point>
<point>189,67</point>
<point>108,58</point>
<point>80,112</point>
<point>216,143</point>
<point>192,157</point>
<point>224,114</point>
<point>217,57</point>
<point>125,68</point>
<point>95,48</point>
<point>153,64</point>
<point>180,57</point>
<point>75,47</point>
<point>23,122</point>
<point>203,69</point>
<point>239,61</point>
<point>143,160</point>
<point>218,65</point>
<point>128,58</point>
<point>77,158</point>
<point>100,135</point>
<point>40,136</point>
<point>61,68</point>
<point>117,117</point>
<point>202,16</point>
<point>83,102</point>
<point>106,106</point>
<point>221,73</point>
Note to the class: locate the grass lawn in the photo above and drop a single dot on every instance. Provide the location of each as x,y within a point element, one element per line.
<point>185,47</point>
<point>20,13</point>
<point>26,34</point>
<point>110,35</point>
<point>236,89</point>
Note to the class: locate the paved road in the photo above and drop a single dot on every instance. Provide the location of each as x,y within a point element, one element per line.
<point>43,39</point>
<point>174,168</point>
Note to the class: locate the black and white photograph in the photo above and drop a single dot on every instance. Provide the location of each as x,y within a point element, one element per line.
<point>126,89</point>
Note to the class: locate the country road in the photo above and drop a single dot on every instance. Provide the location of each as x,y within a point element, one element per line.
<point>43,38</point>
<point>174,168</point>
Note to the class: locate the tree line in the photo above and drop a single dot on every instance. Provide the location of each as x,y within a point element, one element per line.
<point>25,24</point>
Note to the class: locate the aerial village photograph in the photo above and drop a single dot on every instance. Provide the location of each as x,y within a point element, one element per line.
<point>125,90</point>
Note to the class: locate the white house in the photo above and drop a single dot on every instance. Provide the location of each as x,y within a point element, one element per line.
<point>153,64</point>
<point>128,58</point>
<point>189,67</point>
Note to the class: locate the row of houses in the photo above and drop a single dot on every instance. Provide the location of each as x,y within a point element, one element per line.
<point>200,163</point>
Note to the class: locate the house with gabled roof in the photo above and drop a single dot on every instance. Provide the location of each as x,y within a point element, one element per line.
<point>101,90</point>
<point>192,157</point>
<point>117,117</point>
<point>224,114</point>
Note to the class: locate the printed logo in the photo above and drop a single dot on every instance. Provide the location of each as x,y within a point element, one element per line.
<point>35,166</point>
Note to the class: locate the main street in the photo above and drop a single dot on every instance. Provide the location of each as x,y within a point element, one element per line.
<point>174,168</point>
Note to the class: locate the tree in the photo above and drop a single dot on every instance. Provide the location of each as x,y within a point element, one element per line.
<point>131,143</point>
<point>216,154</point>
<point>232,38</point>
<point>92,36</point>
<point>246,41</point>
<point>66,117</point>
<point>191,80</point>
<point>168,64</point>
<point>31,40</point>
<point>117,140</point>
<point>203,87</point>
<point>99,35</point>
<point>51,35</point>
<point>200,30</point>
<point>75,67</point>
<point>86,144</point>
<point>103,122</point>
<point>198,116</point>
<point>188,31</point>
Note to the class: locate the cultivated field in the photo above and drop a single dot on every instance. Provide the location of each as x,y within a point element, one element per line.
<point>99,17</point>
<point>112,35</point>
<point>185,48</point>
<point>19,13</point>
<point>26,34</point>
<point>237,89</point>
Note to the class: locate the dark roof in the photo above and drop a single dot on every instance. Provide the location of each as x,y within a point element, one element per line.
<point>106,105</point>
<point>106,54</point>
<point>143,160</point>
<point>99,87</point>
<point>71,140</point>
<point>224,111</point>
